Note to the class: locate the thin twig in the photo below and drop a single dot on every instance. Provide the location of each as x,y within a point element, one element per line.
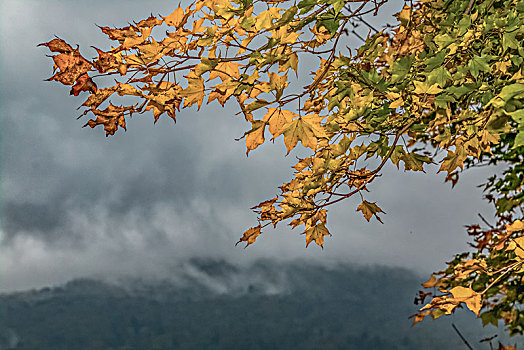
<point>485,221</point>
<point>461,336</point>
<point>469,7</point>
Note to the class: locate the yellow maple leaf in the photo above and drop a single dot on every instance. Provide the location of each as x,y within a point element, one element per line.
<point>423,87</point>
<point>178,18</point>
<point>265,18</point>
<point>316,233</point>
<point>194,91</point>
<point>517,225</point>
<point>277,82</point>
<point>517,245</point>
<point>290,62</point>
<point>472,299</point>
<point>225,70</point>
<point>305,129</point>
<point>255,137</point>
<point>198,27</point>
<point>244,44</point>
<point>278,119</point>
<point>397,103</point>
<point>226,88</point>
<point>285,35</point>
<point>135,40</point>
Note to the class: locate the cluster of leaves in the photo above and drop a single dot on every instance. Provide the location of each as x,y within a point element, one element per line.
<point>244,51</point>
<point>447,77</point>
<point>489,280</point>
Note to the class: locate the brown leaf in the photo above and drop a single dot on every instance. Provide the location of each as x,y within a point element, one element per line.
<point>122,69</point>
<point>97,98</point>
<point>83,83</point>
<point>111,118</point>
<point>58,45</point>
<point>430,283</point>
<point>369,209</point>
<point>165,97</point>
<point>106,61</point>
<point>151,21</point>
<point>250,236</point>
<point>419,317</point>
<point>454,160</point>
<point>71,66</point>
<point>119,34</point>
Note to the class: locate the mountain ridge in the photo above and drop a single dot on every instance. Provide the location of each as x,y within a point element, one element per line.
<point>214,304</point>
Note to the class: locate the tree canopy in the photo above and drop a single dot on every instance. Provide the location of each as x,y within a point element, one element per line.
<point>444,85</point>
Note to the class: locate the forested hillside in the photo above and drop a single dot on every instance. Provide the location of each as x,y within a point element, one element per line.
<point>216,305</point>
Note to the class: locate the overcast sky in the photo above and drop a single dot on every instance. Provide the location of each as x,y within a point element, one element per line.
<point>78,204</point>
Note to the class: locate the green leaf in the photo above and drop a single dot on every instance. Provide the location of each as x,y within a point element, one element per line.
<point>505,205</point>
<point>247,23</point>
<point>331,24</point>
<point>489,317</point>
<point>373,78</point>
<point>401,68</point>
<point>205,66</point>
<point>435,61</point>
<point>519,139</point>
<point>338,5</point>
<point>397,154</point>
<point>464,25</point>
<point>478,64</point>
<point>459,91</point>
<point>439,76</point>
<point>509,40</point>
<point>288,16</point>
<point>441,100</point>
<point>510,91</point>
<point>414,161</point>
<point>256,105</point>
<point>306,5</point>
<point>517,116</point>
<point>443,40</point>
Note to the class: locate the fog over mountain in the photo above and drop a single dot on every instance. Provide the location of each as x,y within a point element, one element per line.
<point>214,304</point>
